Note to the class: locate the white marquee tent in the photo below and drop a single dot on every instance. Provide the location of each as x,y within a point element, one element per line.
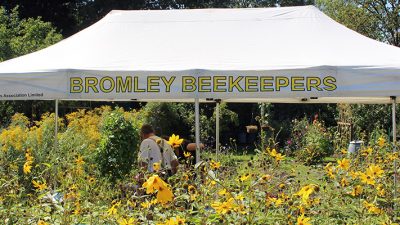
<point>290,54</point>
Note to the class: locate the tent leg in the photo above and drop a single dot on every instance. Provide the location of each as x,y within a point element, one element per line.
<point>394,134</point>
<point>197,128</point>
<point>261,129</point>
<point>56,125</point>
<point>394,119</point>
<point>217,112</point>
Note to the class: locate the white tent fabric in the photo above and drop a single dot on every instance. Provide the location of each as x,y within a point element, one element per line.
<point>289,54</point>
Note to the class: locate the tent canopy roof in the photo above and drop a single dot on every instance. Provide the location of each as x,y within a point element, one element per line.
<point>210,39</point>
<point>213,41</point>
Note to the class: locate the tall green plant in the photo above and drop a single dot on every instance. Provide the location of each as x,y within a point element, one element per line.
<point>117,153</point>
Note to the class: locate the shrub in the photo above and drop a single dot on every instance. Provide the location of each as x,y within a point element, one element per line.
<point>314,142</point>
<point>117,152</point>
<point>296,140</point>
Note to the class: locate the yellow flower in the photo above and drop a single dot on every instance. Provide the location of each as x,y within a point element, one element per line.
<point>41,222</point>
<point>146,204</point>
<point>239,197</point>
<point>381,142</point>
<point>330,170</point>
<point>154,183</point>
<point>77,209</point>
<point>302,209</point>
<point>244,177</point>
<point>278,202</point>
<point>112,210</point>
<point>266,177</point>
<point>381,191</point>
<point>28,155</point>
<point>174,141</point>
<point>392,156</point>
<point>301,220</point>
<point>164,195</point>
<point>270,200</point>
<point>343,151</point>
<point>224,207</point>
<point>279,157</point>
<point>344,182</point>
<point>372,208</point>
<point>187,154</point>
<point>156,166</point>
<point>39,186</point>
<point>27,167</point>
<point>191,189</point>
<point>367,151</point>
<point>305,192</point>
<point>374,171</point>
<point>367,179</point>
<point>215,165</point>
<point>357,190</point>
<point>272,153</point>
<point>223,192</point>
<point>174,221</point>
<point>343,164</point>
<point>79,161</point>
<point>193,197</point>
<point>124,221</point>
<point>354,175</point>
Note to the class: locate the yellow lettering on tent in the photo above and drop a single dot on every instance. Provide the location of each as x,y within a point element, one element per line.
<point>219,84</point>
<point>281,82</point>
<point>188,84</point>
<point>124,86</point>
<point>235,83</point>
<point>205,84</point>
<point>296,84</point>
<point>91,82</point>
<point>76,85</point>
<point>266,84</point>
<point>153,84</point>
<point>251,84</point>
<point>313,82</point>
<point>136,85</point>
<point>103,86</point>
<point>329,82</point>
<point>129,84</point>
<point>168,83</point>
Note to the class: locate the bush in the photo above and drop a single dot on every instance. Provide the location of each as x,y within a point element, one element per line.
<point>313,142</point>
<point>118,148</point>
<point>296,140</point>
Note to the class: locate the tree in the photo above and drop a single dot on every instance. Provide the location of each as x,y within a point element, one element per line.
<point>22,36</point>
<point>377,19</point>
<point>19,37</point>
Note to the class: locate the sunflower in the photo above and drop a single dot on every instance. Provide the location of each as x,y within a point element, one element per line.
<point>301,220</point>
<point>344,164</point>
<point>174,141</point>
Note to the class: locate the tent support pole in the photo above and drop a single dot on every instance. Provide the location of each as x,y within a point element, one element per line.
<point>394,119</point>
<point>56,125</point>
<point>217,112</point>
<point>197,128</point>
<point>394,134</point>
<point>261,128</point>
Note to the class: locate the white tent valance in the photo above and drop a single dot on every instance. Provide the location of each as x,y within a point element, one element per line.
<point>289,54</point>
